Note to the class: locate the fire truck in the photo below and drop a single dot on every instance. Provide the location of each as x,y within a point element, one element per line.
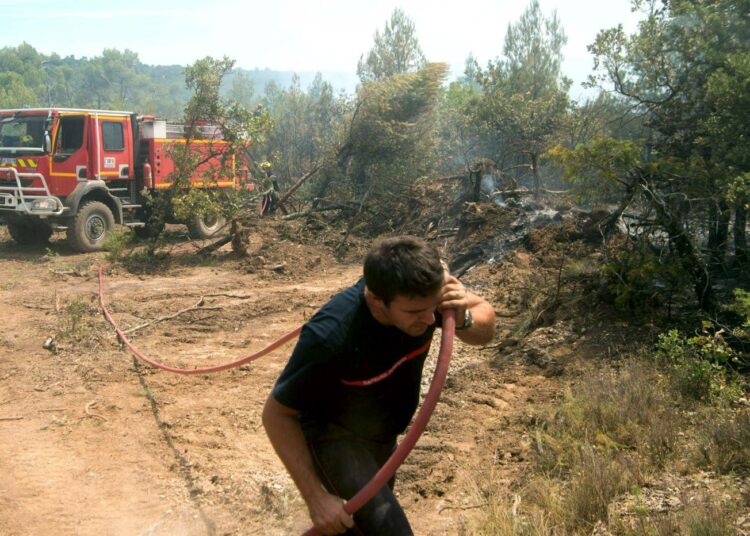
<point>84,171</point>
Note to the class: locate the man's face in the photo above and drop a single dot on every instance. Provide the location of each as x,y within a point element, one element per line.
<point>412,315</point>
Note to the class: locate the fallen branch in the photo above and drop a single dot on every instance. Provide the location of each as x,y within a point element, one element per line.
<point>88,411</point>
<point>10,418</point>
<point>230,295</point>
<point>215,245</point>
<point>295,186</point>
<point>34,306</point>
<point>469,507</point>
<point>297,215</point>
<point>197,307</point>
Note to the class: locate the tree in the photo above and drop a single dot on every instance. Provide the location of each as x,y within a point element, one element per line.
<point>396,50</point>
<point>684,72</point>
<point>206,115</point>
<point>391,136</point>
<point>242,89</point>
<point>673,69</point>
<point>304,126</point>
<point>14,93</point>
<point>524,93</point>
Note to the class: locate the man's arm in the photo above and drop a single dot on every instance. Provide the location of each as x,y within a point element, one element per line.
<point>455,296</point>
<point>284,431</point>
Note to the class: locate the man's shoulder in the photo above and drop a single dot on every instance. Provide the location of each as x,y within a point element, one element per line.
<point>333,323</point>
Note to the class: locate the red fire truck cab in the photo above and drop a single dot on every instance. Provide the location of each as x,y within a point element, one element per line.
<point>83,171</point>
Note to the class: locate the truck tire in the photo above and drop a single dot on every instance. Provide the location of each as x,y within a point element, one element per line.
<point>32,233</point>
<point>202,227</point>
<point>90,226</point>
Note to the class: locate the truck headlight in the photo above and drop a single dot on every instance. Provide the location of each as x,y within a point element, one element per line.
<point>45,204</point>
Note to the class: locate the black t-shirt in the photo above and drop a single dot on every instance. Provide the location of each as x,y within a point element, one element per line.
<point>349,372</point>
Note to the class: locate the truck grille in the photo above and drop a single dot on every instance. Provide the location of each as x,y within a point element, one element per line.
<point>13,184</point>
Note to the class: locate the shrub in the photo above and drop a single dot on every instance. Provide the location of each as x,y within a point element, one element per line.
<point>639,279</point>
<point>615,412</point>
<point>698,366</point>
<point>597,481</point>
<point>74,321</point>
<point>725,442</point>
<point>115,244</point>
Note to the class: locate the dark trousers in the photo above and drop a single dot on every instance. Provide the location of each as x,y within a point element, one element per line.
<point>344,467</point>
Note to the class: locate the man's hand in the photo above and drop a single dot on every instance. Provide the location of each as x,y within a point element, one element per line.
<point>454,296</point>
<point>283,428</point>
<point>328,515</point>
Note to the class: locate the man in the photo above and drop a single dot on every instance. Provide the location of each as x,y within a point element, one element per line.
<point>352,383</point>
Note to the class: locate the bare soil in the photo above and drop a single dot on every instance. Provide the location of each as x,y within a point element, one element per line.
<point>95,443</point>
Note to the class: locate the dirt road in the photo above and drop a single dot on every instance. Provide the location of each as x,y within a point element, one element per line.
<point>92,443</point>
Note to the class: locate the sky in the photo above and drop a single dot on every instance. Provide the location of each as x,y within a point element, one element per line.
<point>294,35</point>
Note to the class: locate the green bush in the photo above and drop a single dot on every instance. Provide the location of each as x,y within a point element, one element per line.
<point>115,244</point>
<point>638,279</point>
<point>698,365</point>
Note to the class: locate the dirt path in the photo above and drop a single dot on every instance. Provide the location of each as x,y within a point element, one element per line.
<point>93,443</point>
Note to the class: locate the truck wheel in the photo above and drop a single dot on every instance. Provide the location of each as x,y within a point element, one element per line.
<point>34,233</point>
<point>201,227</point>
<point>90,226</point>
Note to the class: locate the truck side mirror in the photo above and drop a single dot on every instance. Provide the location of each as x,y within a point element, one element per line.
<point>47,142</point>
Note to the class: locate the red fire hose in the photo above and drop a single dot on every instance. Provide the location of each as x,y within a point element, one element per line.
<point>137,353</point>
<point>385,473</point>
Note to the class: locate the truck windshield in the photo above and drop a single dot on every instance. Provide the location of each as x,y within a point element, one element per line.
<point>22,135</point>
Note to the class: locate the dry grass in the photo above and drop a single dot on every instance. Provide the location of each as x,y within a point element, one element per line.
<point>622,410</point>
<point>612,435</point>
<point>725,442</point>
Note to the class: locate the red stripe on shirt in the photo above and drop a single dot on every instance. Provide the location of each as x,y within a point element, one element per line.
<point>380,377</point>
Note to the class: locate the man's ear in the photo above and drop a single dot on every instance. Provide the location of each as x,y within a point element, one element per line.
<point>373,299</point>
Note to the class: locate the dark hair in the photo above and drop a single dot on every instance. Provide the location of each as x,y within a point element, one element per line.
<point>403,265</point>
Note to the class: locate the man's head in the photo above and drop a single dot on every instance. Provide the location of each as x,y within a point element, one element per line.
<point>403,276</point>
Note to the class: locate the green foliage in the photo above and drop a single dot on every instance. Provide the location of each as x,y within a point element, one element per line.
<point>13,91</point>
<point>207,113</point>
<point>396,50</point>
<point>612,413</point>
<point>463,138</point>
<point>686,71</point>
<point>741,305</point>
<point>306,127</point>
<point>598,170</point>
<point>605,116</point>
<point>74,321</point>
<point>116,242</point>
<point>113,80</point>
<point>639,280</point>
<point>532,53</point>
<point>739,190</point>
<point>698,366</point>
<point>524,95</point>
<point>391,137</point>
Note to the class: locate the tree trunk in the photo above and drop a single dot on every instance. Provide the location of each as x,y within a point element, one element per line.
<point>718,234</point>
<point>477,185</point>
<point>535,171</point>
<point>679,238</point>
<point>739,230</point>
